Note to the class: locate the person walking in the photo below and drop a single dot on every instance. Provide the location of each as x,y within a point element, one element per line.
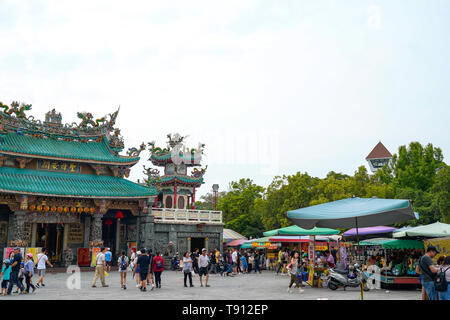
<point>15,269</point>
<point>123,263</point>
<point>6,274</point>
<point>445,268</point>
<point>143,263</point>
<point>100,267</point>
<point>29,272</point>
<point>234,258</point>
<point>108,259</point>
<point>42,261</point>
<point>194,257</point>
<point>203,262</point>
<point>279,264</point>
<point>137,269</point>
<point>150,279</point>
<point>251,260</point>
<point>187,269</point>
<point>158,268</point>
<point>294,269</point>
<point>244,264</point>
<point>257,262</point>
<point>428,271</point>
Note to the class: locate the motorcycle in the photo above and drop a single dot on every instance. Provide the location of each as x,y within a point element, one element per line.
<point>175,263</point>
<point>353,277</point>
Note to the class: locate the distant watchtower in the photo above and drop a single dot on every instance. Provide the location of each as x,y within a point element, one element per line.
<point>378,157</point>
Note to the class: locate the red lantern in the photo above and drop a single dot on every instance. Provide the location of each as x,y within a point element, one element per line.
<point>92,210</point>
<point>108,222</point>
<point>80,210</point>
<point>86,210</point>
<point>119,215</point>
<point>53,209</point>
<point>73,209</point>
<point>60,209</point>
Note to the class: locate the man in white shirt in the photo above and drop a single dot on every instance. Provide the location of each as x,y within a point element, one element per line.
<point>203,262</point>
<point>42,259</point>
<point>100,268</point>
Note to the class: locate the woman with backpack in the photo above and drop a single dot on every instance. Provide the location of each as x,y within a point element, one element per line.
<point>158,268</point>
<point>444,273</point>
<point>123,266</point>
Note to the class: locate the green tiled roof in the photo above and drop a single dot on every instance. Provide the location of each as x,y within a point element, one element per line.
<point>93,151</point>
<point>70,184</point>
<point>181,178</point>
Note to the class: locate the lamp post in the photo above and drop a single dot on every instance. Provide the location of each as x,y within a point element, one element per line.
<point>215,188</point>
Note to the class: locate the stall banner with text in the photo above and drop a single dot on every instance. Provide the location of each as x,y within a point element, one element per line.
<point>95,252</point>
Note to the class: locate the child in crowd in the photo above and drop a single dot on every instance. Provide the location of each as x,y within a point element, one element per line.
<point>244,264</point>
<point>21,276</point>
<point>6,271</point>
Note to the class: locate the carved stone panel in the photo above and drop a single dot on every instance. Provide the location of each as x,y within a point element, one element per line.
<point>182,246</point>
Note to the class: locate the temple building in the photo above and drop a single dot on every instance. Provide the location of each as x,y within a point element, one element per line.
<point>176,219</point>
<point>64,187</point>
<point>378,157</point>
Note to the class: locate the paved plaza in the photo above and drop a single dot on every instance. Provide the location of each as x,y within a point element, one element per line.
<point>265,286</point>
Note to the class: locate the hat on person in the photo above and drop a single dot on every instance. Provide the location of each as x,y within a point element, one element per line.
<point>30,255</point>
<point>432,248</point>
<point>16,248</point>
<point>138,252</point>
<point>204,249</point>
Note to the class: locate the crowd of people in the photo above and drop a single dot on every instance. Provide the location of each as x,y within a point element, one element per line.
<point>16,269</point>
<point>146,268</point>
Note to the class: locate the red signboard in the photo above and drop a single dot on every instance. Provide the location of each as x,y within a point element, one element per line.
<point>84,257</point>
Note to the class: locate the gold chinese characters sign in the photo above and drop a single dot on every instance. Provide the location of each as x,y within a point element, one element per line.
<point>60,166</point>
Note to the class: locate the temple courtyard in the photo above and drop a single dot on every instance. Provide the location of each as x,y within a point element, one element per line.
<point>265,286</point>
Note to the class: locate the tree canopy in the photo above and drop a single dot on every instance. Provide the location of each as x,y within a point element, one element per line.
<point>417,173</point>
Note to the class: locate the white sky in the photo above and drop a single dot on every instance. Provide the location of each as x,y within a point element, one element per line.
<point>271,87</point>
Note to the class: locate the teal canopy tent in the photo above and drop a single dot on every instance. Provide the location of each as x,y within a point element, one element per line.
<point>297,231</point>
<point>389,243</point>
<point>353,212</point>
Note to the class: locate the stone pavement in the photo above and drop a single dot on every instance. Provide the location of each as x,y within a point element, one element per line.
<point>247,286</point>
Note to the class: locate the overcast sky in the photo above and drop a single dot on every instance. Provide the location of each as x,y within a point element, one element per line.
<point>271,87</point>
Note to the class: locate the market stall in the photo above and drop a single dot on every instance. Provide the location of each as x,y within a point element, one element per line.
<point>394,261</point>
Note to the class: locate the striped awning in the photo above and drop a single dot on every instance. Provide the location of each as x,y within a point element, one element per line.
<point>230,235</point>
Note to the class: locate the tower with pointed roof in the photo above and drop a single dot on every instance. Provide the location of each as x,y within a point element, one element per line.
<point>378,157</point>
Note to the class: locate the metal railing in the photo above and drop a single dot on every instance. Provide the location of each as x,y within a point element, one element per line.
<point>187,215</point>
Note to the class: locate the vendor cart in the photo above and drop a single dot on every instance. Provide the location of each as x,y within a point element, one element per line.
<point>397,261</point>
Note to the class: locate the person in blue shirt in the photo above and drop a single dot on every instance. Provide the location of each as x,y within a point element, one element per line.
<point>29,272</point>
<point>6,274</point>
<point>108,259</point>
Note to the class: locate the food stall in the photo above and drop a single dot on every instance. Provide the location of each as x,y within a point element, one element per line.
<point>394,261</point>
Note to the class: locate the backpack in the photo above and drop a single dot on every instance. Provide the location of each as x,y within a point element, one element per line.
<point>158,264</point>
<point>440,282</point>
<point>123,263</point>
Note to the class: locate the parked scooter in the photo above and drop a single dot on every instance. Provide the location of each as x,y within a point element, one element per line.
<point>353,277</point>
<point>175,263</point>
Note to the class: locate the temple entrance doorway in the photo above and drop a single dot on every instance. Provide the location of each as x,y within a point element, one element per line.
<point>197,243</point>
<point>51,237</point>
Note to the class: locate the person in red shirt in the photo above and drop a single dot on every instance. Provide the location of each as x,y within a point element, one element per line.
<point>158,268</point>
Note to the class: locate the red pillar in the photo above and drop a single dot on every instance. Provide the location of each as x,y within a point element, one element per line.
<point>156,202</point>
<point>175,196</point>
<point>193,199</point>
